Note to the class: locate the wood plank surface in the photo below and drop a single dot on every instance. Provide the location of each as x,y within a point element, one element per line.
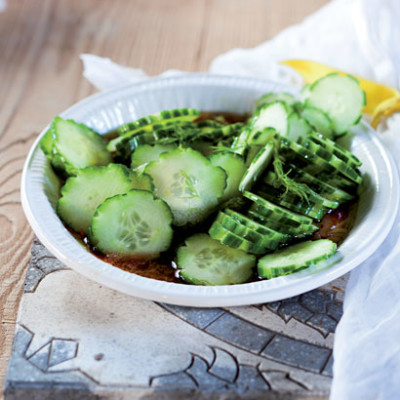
<point>40,75</point>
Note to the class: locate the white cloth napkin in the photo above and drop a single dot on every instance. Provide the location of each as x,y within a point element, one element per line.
<point>361,37</point>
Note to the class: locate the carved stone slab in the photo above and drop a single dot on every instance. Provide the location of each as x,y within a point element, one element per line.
<point>78,340</point>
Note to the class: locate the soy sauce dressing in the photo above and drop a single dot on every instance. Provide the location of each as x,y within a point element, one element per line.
<point>335,225</point>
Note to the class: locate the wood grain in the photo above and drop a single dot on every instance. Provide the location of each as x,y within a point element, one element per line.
<point>40,75</point>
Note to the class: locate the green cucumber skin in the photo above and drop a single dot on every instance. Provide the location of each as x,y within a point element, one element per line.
<point>312,197</point>
<point>293,202</point>
<point>285,216</point>
<point>318,186</point>
<point>230,239</point>
<point>261,228</point>
<point>179,114</point>
<point>336,162</point>
<point>270,241</point>
<point>291,232</point>
<point>267,271</point>
<point>314,165</point>
<point>336,149</point>
<point>55,152</point>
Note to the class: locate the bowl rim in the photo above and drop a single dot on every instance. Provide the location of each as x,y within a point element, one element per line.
<point>202,296</point>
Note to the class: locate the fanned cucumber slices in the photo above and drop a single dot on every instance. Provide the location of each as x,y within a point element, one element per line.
<point>224,203</point>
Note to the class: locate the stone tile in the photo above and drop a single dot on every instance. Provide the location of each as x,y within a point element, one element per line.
<point>328,370</point>
<point>293,309</point>
<point>335,310</point>
<point>316,301</point>
<point>200,317</point>
<point>61,351</point>
<point>251,378</point>
<point>300,354</point>
<point>324,323</point>
<point>241,333</point>
<point>224,366</point>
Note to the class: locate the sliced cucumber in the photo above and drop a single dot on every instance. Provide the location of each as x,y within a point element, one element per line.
<point>298,127</point>
<point>340,97</point>
<point>336,149</point>
<point>257,166</point>
<point>188,183</point>
<point>163,117</point>
<point>318,120</point>
<point>314,165</point>
<point>270,241</point>
<point>206,261</point>
<point>344,168</point>
<point>234,167</point>
<point>83,193</point>
<point>278,213</point>
<point>271,97</point>
<point>317,185</point>
<point>290,230</point>
<point>75,146</point>
<point>295,258</point>
<point>254,225</point>
<point>270,178</point>
<point>225,236</point>
<point>46,143</point>
<point>293,202</point>
<point>132,224</point>
<point>271,115</point>
<point>147,153</point>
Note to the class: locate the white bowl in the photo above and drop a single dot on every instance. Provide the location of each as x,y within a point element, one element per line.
<point>105,111</point>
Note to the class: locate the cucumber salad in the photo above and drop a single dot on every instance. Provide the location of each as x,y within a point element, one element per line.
<point>225,200</point>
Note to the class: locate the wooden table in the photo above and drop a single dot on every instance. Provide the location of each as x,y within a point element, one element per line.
<point>41,75</point>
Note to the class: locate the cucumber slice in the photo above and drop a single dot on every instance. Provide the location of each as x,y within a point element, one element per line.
<point>340,97</point>
<point>258,165</point>
<point>271,179</point>
<point>295,258</point>
<point>146,153</point>
<point>163,117</point>
<point>293,202</point>
<point>132,224</point>
<point>46,143</point>
<point>271,115</point>
<point>256,226</point>
<point>278,213</point>
<point>75,146</point>
<point>291,231</point>
<point>206,261</point>
<point>261,138</point>
<point>298,127</point>
<point>340,166</point>
<point>270,241</point>
<point>336,149</point>
<point>271,97</point>
<point>240,143</point>
<point>188,183</point>
<point>83,193</point>
<point>234,167</point>
<point>318,120</point>
<point>318,186</point>
<point>142,181</point>
<point>314,165</point>
<point>218,232</point>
